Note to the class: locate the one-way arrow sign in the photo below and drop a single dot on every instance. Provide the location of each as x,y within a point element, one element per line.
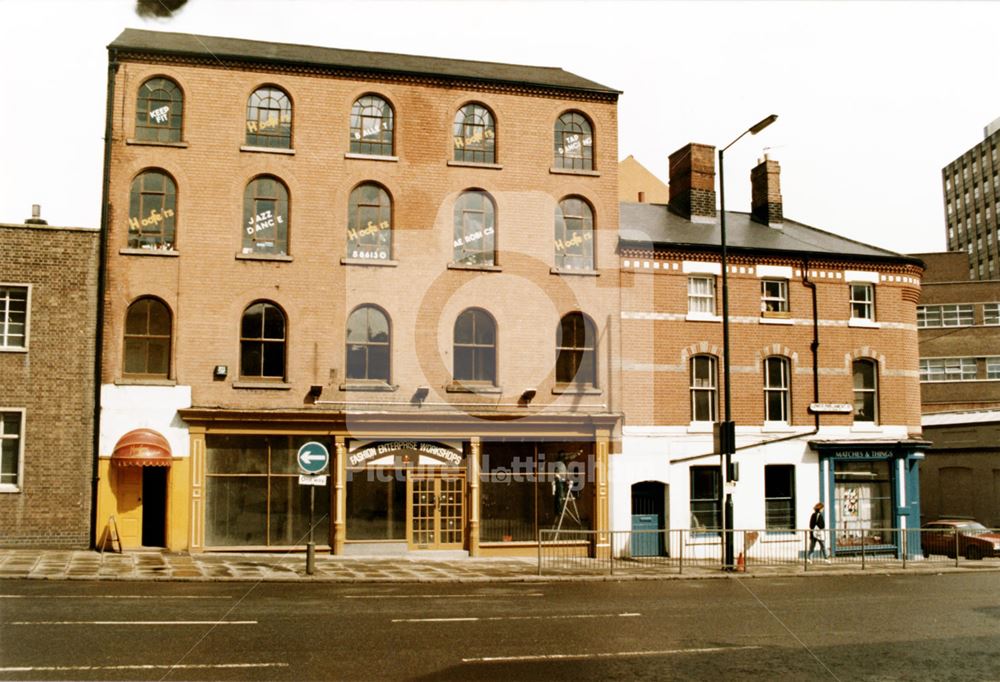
<point>313,458</point>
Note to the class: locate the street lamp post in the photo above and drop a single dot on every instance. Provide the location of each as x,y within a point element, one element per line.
<point>727,428</point>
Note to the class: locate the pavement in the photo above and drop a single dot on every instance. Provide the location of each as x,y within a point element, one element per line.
<point>291,567</point>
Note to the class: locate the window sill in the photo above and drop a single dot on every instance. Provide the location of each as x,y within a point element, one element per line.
<point>473,388</point>
<point>777,320</point>
<point>574,171</point>
<point>701,427</point>
<point>570,271</point>
<point>14,349</point>
<point>703,317</point>
<point>267,150</point>
<point>466,266</point>
<point>370,157</point>
<point>263,385</point>
<point>865,427</point>
<point>144,382</point>
<point>369,261</point>
<point>570,389</point>
<point>7,488</point>
<point>472,164</point>
<point>371,387</point>
<point>279,257</point>
<point>155,143</point>
<point>863,322</point>
<point>149,252</point>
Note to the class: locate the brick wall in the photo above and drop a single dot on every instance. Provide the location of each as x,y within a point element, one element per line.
<point>53,382</point>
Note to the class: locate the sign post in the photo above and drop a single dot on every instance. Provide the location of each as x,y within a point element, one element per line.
<point>313,459</point>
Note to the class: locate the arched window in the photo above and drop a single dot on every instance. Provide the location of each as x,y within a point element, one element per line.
<point>704,391</point>
<point>147,339</point>
<point>475,231</point>
<point>152,212</point>
<point>262,342</point>
<point>574,238</point>
<point>475,135</point>
<point>475,347</point>
<point>269,119</point>
<point>159,110</point>
<point>574,142</point>
<point>371,126</point>
<point>865,374</point>
<point>576,351</point>
<point>265,217</point>
<point>776,389</point>
<point>369,223</point>
<point>368,345</point>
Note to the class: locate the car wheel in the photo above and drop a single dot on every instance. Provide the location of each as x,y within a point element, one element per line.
<point>973,553</point>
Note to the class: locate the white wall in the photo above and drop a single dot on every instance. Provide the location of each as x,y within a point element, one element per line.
<point>124,408</point>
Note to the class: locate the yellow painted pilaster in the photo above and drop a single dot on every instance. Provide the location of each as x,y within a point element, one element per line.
<point>105,502</point>
<point>178,504</point>
<point>472,465</point>
<point>602,547</point>
<point>196,542</point>
<point>339,495</point>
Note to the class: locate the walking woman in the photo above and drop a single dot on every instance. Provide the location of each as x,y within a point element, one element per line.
<point>817,534</point>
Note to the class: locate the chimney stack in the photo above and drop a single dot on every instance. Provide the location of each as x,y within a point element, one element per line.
<point>765,193</point>
<point>692,182</point>
<point>36,216</point>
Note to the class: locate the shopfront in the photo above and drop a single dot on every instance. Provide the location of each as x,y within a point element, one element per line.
<point>871,490</point>
<point>398,491</point>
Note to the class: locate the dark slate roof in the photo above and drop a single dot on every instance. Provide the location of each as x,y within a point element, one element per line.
<point>188,45</point>
<point>654,226</point>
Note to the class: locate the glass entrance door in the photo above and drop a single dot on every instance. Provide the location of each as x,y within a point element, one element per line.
<point>436,511</point>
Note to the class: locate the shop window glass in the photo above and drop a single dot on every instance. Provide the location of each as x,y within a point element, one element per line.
<point>704,397</point>
<point>147,339</point>
<point>368,345</point>
<point>13,317</point>
<point>269,119</point>
<point>371,126</point>
<point>369,223</point>
<point>706,498</point>
<point>574,238</point>
<point>576,351</point>
<point>265,217</point>
<point>252,493</point>
<point>475,229</point>
<point>863,498</point>
<point>574,142</point>
<point>475,340</point>
<point>701,295</point>
<point>152,211</point>
<point>262,342</point>
<point>865,373</point>
<point>776,385</point>
<point>159,111</point>
<point>11,428</point>
<point>779,497</point>
<point>376,504</point>
<point>474,134</point>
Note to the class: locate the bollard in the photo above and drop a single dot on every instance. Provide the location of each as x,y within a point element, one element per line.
<point>310,558</point>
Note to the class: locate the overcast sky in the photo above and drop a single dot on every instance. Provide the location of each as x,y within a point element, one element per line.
<point>873,98</point>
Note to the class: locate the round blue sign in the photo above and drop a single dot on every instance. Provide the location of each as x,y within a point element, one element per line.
<point>313,457</point>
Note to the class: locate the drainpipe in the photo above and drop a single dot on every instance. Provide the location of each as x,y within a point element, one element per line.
<point>814,346</point>
<point>101,277</point>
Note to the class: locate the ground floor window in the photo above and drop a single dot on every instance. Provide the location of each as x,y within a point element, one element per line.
<point>10,449</point>
<point>253,496</point>
<point>376,504</point>
<point>528,487</point>
<point>863,498</point>
<point>779,497</point>
<point>706,498</point>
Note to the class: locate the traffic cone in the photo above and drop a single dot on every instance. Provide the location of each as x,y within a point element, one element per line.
<point>741,565</point>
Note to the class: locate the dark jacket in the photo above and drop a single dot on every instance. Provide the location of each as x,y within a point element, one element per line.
<point>816,521</point>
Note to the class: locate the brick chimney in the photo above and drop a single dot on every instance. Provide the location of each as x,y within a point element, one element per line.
<point>692,182</point>
<point>765,193</point>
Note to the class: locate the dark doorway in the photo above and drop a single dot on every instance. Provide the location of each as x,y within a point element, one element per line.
<point>154,506</point>
<point>649,505</point>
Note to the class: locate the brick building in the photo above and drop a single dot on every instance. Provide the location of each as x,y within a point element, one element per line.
<point>958,323</point>
<point>823,368</point>
<point>408,260</point>
<point>972,205</point>
<point>48,308</point>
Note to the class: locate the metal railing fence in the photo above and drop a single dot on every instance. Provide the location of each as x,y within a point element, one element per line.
<point>653,552</point>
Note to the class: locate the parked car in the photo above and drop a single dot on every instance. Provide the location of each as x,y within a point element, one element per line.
<point>975,540</point>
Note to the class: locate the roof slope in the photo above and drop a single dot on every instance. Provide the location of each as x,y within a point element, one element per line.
<point>646,226</point>
<point>189,45</point>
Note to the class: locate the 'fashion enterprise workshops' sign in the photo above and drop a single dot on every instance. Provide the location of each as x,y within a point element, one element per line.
<point>376,451</point>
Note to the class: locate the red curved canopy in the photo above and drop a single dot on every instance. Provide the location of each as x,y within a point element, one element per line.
<point>142,448</point>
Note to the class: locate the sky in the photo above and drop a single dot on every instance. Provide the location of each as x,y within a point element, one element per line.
<point>873,98</point>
